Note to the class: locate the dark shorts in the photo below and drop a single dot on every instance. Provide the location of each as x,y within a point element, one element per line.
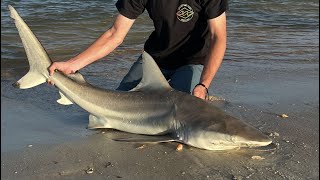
<point>183,79</point>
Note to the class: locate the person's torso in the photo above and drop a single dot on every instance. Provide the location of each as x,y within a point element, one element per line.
<point>181,33</point>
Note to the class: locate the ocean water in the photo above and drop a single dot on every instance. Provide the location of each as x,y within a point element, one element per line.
<point>286,30</point>
<point>274,35</point>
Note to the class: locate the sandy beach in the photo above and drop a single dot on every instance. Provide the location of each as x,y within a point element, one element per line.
<point>42,140</point>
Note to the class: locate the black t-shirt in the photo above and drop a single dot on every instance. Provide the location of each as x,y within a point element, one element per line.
<point>181,34</point>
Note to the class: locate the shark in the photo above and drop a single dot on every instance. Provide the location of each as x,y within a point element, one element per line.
<point>152,108</point>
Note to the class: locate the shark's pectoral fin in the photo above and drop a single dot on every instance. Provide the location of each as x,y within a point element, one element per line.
<point>64,100</point>
<point>148,139</point>
<point>98,122</point>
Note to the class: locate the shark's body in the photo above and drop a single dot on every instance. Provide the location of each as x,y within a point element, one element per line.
<point>152,108</point>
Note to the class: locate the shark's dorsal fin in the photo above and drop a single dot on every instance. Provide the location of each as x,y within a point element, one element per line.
<point>152,77</point>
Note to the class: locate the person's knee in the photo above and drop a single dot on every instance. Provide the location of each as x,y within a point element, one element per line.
<point>186,77</point>
<point>132,78</point>
<point>196,75</point>
<point>127,86</point>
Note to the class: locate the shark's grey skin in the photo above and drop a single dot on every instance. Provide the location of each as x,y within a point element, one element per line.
<point>152,108</point>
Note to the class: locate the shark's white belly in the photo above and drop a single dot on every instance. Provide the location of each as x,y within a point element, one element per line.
<point>151,124</point>
<point>140,118</point>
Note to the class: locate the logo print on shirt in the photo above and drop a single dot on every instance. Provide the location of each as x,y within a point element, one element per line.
<point>184,13</point>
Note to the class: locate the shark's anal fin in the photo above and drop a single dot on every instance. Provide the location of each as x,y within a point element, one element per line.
<point>148,139</point>
<point>97,122</point>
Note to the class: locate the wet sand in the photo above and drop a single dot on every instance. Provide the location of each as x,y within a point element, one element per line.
<point>43,140</point>
<point>271,68</point>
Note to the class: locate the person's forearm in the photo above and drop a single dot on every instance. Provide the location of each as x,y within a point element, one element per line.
<point>214,59</point>
<point>218,43</point>
<point>105,44</point>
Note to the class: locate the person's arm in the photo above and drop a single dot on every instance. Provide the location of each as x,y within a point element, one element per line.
<point>218,30</point>
<point>105,44</point>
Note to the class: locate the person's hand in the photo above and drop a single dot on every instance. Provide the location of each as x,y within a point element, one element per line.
<point>64,67</point>
<point>200,92</point>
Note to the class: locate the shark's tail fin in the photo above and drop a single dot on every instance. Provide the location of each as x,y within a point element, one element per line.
<point>38,58</point>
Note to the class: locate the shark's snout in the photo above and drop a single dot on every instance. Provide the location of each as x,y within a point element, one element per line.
<point>16,85</point>
<point>251,137</point>
<point>253,142</point>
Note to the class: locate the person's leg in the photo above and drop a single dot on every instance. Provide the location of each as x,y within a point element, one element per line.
<point>183,79</point>
<point>186,77</point>
<point>133,77</point>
